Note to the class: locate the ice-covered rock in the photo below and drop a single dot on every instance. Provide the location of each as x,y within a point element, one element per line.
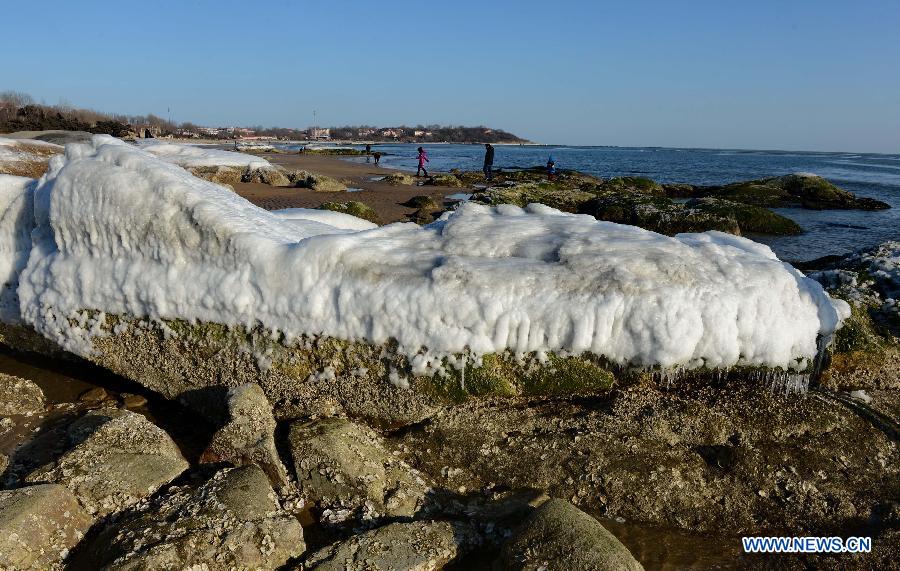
<point>124,238</point>
<point>339,220</point>
<point>25,157</point>
<point>19,396</point>
<point>199,156</point>
<point>16,223</point>
<point>38,526</point>
<point>117,459</point>
<point>170,245</point>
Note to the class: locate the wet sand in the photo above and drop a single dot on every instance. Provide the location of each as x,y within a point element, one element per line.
<point>384,198</point>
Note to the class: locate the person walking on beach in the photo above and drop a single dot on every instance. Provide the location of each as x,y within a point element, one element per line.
<point>377,156</point>
<point>551,168</point>
<point>423,158</point>
<point>488,162</point>
<point>368,151</point>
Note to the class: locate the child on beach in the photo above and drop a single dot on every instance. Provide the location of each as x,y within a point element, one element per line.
<point>377,156</point>
<point>551,168</point>
<point>423,158</point>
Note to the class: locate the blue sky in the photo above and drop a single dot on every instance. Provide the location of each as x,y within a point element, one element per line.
<point>813,75</point>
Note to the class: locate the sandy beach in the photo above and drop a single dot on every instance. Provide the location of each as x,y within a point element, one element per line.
<point>384,198</point>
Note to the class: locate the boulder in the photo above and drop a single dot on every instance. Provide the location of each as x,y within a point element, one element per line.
<point>249,436</point>
<point>444,180</point>
<point>560,536</point>
<point>414,546</point>
<point>232,521</point>
<point>20,396</point>
<point>354,208</point>
<point>396,178</point>
<point>316,182</point>
<point>422,202</point>
<point>38,526</point>
<point>117,458</point>
<point>344,467</point>
<point>270,176</point>
<point>228,176</point>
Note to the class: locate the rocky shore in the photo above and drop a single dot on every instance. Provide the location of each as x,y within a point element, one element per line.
<point>241,443</point>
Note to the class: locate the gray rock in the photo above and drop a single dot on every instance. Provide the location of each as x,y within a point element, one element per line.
<point>316,182</point>
<point>218,174</point>
<point>4,462</point>
<point>249,435</point>
<point>19,396</point>
<point>415,546</point>
<point>560,536</point>
<point>232,521</point>
<point>344,466</point>
<point>270,176</point>
<point>119,457</point>
<point>38,526</point>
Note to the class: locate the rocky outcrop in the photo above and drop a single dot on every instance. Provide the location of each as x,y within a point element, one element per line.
<point>19,396</point>
<point>38,526</point>
<point>802,190</point>
<point>345,468</point>
<point>560,536</point>
<point>249,436</point>
<point>731,458</point>
<point>232,521</point>
<point>415,546</point>
<point>116,459</point>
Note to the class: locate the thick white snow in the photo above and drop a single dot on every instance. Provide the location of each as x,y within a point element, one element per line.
<point>16,222</point>
<point>121,231</point>
<point>197,156</point>
<point>336,219</point>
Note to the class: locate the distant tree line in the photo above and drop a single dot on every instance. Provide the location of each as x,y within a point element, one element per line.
<point>19,112</point>
<point>426,134</point>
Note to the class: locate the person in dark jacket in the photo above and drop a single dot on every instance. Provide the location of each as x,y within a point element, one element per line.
<point>488,162</point>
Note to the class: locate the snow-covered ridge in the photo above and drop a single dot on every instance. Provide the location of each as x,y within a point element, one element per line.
<point>197,156</point>
<point>121,231</point>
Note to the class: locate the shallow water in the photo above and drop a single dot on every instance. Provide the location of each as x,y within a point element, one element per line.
<point>827,232</point>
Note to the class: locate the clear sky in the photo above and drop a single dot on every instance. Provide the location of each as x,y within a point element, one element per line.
<point>788,74</point>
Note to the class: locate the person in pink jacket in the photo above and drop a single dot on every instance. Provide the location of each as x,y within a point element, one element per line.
<point>423,158</point>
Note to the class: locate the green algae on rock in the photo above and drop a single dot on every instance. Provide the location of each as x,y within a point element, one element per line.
<point>795,190</point>
<point>354,208</point>
<point>753,219</point>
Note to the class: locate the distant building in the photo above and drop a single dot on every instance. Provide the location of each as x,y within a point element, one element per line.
<point>365,132</point>
<point>210,131</point>
<point>318,133</point>
<point>147,131</point>
<point>392,133</point>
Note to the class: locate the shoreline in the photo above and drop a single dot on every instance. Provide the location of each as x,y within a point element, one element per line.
<point>386,199</point>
